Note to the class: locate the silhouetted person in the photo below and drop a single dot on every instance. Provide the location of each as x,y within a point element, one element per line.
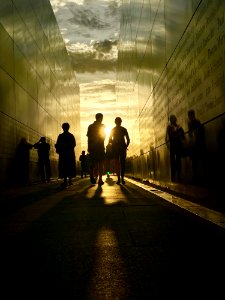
<point>43,149</point>
<point>22,161</point>
<point>83,162</point>
<point>196,146</point>
<point>174,139</point>
<point>65,145</point>
<point>120,140</point>
<point>96,137</point>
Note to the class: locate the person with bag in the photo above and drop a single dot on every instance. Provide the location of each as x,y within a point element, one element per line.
<point>120,140</point>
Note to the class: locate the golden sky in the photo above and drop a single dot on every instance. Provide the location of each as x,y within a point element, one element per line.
<point>90,30</point>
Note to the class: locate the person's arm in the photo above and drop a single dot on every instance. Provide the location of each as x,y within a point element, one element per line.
<point>127,138</point>
<point>36,145</point>
<point>74,141</point>
<point>57,145</point>
<point>167,137</point>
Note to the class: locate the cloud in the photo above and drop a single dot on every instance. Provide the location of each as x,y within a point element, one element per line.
<point>101,56</point>
<point>90,30</point>
<point>96,20</point>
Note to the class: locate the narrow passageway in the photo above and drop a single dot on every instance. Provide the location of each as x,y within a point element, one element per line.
<point>106,242</point>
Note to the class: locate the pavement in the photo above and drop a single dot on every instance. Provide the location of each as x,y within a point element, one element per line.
<point>113,241</point>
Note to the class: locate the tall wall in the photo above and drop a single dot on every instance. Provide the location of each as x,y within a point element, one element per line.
<point>38,88</point>
<point>172,59</point>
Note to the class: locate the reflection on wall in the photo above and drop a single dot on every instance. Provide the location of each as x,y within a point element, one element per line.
<point>37,84</point>
<point>171,60</point>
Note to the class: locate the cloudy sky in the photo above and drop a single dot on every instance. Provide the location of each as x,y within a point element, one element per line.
<point>90,29</point>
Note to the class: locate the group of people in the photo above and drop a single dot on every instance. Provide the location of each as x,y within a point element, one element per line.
<point>179,146</point>
<point>65,147</point>
<point>119,140</point>
<point>116,150</point>
<point>96,135</point>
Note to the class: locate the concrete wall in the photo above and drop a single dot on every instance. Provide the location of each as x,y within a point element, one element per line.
<point>172,59</point>
<point>38,88</point>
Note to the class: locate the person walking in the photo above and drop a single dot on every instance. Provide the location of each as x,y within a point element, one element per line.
<point>65,145</point>
<point>43,149</point>
<point>83,162</point>
<point>96,138</point>
<point>120,140</point>
<point>175,139</point>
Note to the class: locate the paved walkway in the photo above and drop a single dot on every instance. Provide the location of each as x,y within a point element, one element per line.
<point>109,242</point>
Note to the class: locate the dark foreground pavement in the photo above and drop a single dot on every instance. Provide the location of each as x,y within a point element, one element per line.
<point>109,242</point>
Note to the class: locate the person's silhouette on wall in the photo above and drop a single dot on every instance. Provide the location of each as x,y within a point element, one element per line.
<point>65,145</point>
<point>120,140</point>
<point>22,161</point>
<point>96,137</point>
<point>174,139</point>
<point>197,147</point>
<point>43,149</point>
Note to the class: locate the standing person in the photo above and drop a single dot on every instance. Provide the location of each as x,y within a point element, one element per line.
<point>83,161</point>
<point>65,145</point>
<point>96,138</point>
<point>120,140</point>
<point>197,148</point>
<point>43,149</point>
<point>175,139</point>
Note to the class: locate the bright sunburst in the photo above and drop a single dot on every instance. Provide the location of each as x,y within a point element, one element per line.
<point>107,132</point>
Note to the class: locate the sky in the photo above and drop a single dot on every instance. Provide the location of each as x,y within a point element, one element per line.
<point>90,29</point>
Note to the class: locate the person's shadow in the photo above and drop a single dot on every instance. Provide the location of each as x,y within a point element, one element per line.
<point>21,162</point>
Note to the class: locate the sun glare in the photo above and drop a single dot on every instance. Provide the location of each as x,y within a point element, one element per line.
<point>107,132</point>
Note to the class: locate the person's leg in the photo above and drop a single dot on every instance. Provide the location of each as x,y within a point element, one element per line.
<point>178,167</point>
<point>100,172</point>
<point>41,170</point>
<point>117,167</point>
<point>70,181</point>
<point>172,166</point>
<point>92,169</point>
<point>48,170</point>
<point>122,166</point>
<point>64,184</point>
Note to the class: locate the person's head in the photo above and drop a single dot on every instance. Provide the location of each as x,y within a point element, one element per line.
<point>83,152</point>
<point>191,114</point>
<point>99,117</point>
<point>65,126</point>
<point>43,139</point>
<point>173,119</point>
<point>118,121</point>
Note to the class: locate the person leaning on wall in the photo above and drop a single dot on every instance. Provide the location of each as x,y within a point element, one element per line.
<point>175,141</point>
<point>197,147</point>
